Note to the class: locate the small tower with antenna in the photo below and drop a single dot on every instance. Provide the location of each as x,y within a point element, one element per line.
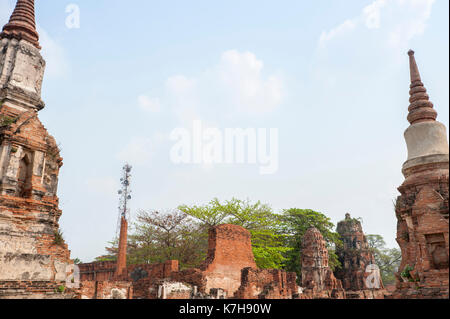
<point>124,214</point>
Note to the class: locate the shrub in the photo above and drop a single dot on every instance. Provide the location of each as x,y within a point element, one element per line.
<point>59,239</point>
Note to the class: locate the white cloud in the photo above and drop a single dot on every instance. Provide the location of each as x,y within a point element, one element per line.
<point>149,104</point>
<point>140,150</point>
<point>241,75</point>
<point>398,20</point>
<point>342,28</point>
<point>236,84</point>
<point>180,85</point>
<point>414,16</point>
<point>103,185</point>
<point>54,55</point>
<point>372,14</point>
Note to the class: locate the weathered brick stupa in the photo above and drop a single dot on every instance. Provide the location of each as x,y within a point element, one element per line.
<point>422,208</point>
<point>318,280</point>
<point>355,257</point>
<point>33,255</point>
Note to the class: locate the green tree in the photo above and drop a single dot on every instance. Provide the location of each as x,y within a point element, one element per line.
<point>257,218</point>
<point>156,237</point>
<point>294,223</point>
<point>165,236</point>
<point>387,259</point>
<point>112,250</point>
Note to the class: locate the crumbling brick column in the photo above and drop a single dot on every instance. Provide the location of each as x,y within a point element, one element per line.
<point>122,255</point>
<point>230,250</point>
<point>318,279</point>
<point>354,256</point>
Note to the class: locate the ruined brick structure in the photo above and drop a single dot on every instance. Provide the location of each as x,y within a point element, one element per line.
<point>106,271</point>
<point>355,257</point>
<point>227,243</point>
<point>268,284</point>
<point>422,209</point>
<point>33,257</point>
<point>105,290</point>
<point>318,280</point>
<point>229,251</point>
<point>98,271</point>
<point>229,271</point>
<point>121,265</point>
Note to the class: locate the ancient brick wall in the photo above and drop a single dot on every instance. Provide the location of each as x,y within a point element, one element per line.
<point>35,290</point>
<point>106,270</point>
<point>142,277</point>
<point>97,271</point>
<point>186,284</point>
<point>267,284</point>
<point>230,250</point>
<point>157,271</point>
<point>105,290</point>
<point>30,247</point>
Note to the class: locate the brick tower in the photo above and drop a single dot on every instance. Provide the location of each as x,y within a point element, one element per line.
<point>121,266</point>
<point>33,255</point>
<point>357,261</point>
<point>318,279</point>
<point>422,208</point>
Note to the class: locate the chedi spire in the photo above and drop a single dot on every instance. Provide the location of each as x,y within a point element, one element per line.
<point>22,25</point>
<point>422,207</point>
<point>420,108</point>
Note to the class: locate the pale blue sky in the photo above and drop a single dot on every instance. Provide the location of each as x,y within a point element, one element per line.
<point>332,75</point>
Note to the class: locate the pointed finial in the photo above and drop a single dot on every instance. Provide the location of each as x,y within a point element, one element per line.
<point>420,109</point>
<point>414,70</point>
<point>22,23</point>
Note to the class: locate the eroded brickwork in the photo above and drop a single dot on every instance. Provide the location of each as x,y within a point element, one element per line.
<point>229,271</point>
<point>267,284</point>
<point>422,209</point>
<point>105,290</point>
<point>32,253</point>
<point>355,257</point>
<point>230,251</point>
<point>318,280</point>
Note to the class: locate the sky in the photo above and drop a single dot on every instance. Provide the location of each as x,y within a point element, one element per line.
<point>332,76</point>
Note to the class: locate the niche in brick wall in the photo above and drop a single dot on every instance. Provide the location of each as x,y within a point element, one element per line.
<point>24,176</point>
<point>437,250</point>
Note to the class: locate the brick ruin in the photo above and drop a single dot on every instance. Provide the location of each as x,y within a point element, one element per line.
<point>33,257</point>
<point>35,262</point>
<point>355,257</point>
<point>422,208</point>
<point>318,280</point>
<point>229,271</point>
